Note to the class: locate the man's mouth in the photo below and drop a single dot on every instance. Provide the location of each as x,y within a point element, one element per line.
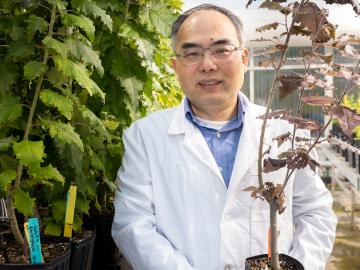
<point>207,83</point>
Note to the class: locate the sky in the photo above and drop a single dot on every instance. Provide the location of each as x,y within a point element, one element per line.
<point>341,15</point>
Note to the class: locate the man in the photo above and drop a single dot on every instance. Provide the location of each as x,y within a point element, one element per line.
<point>180,202</point>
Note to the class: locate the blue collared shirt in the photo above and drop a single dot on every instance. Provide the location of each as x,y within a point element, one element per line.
<point>223,143</point>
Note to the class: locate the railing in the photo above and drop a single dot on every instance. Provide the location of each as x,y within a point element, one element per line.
<point>343,175</point>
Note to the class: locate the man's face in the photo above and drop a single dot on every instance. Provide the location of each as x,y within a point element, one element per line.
<point>210,82</point>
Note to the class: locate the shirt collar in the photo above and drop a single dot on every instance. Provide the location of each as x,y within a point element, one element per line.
<point>234,122</point>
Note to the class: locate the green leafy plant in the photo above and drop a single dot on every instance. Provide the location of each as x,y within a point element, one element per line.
<point>73,75</point>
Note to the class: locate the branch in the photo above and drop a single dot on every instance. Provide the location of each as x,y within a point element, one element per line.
<point>344,145</point>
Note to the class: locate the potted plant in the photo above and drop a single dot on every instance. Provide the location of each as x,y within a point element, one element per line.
<point>302,18</point>
<point>47,120</point>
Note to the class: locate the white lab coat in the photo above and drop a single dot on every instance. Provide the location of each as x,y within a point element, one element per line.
<point>174,212</point>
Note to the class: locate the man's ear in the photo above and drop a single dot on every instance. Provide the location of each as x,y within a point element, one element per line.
<point>174,65</point>
<point>245,58</point>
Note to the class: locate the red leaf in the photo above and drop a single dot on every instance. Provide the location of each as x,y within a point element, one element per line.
<point>275,114</point>
<point>347,118</point>
<point>311,17</point>
<point>303,123</point>
<point>271,164</point>
<point>282,138</point>
<point>319,101</point>
<point>289,84</point>
<point>267,27</point>
<point>298,161</point>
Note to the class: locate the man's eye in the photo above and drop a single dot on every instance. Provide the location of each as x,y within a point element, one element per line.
<point>192,54</point>
<point>221,51</point>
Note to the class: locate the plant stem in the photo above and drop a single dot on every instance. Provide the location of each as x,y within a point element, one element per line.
<point>9,203</point>
<point>270,99</point>
<point>275,264</point>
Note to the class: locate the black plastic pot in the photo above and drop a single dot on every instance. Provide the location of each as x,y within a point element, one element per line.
<point>61,263</point>
<point>283,257</point>
<point>82,253</point>
<point>106,254</point>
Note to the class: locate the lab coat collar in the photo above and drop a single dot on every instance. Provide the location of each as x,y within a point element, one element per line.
<point>247,151</point>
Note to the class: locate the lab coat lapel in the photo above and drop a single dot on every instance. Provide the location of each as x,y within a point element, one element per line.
<point>248,147</point>
<point>194,141</point>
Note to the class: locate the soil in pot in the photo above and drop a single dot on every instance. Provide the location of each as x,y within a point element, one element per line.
<point>55,251</point>
<point>261,262</point>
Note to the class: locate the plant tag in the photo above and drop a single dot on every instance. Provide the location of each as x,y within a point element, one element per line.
<point>70,209</point>
<point>34,241</point>
<point>27,233</point>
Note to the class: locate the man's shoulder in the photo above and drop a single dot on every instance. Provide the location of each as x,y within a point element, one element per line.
<point>156,120</point>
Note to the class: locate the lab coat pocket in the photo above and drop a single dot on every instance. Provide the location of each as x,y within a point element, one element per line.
<point>259,226</point>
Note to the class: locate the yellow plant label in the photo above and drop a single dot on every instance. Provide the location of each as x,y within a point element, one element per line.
<point>70,209</point>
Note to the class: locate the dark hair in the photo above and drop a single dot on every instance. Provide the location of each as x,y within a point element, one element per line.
<point>233,18</point>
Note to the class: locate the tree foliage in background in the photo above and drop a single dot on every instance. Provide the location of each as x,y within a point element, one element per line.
<point>73,75</point>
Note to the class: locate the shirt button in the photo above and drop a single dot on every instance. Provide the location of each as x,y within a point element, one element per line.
<point>220,169</point>
<point>218,134</point>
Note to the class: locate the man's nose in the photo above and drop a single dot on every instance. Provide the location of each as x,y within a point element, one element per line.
<point>207,62</point>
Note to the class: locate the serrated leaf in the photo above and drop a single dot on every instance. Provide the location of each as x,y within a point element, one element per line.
<point>6,178</point>
<point>319,100</point>
<point>93,10</point>
<point>133,86</point>
<point>288,84</point>
<point>82,22</point>
<point>266,27</point>
<point>56,78</point>
<point>145,48</point>
<point>96,161</point>
<point>48,172</point>
<point>10,109</point>
<point>30,153</point>
<point>94,122</point>
<point>7,76</point>
<point>56,45</point>
<point>82,205</point>
<point>347,118</point>
<point>85,53</point>
<point>33,69</point>
<point>5,143</point>
<point>24,203</point>
<point>58,211</point>
<point>20,49</point>
<point>53,229</point>
<point>158,17</point>
<point>61,5</point>
<point>35,24</point>
<point>79,74</point>
<point>53,99</point>
<point>271,5</point>
<point>65,133</point>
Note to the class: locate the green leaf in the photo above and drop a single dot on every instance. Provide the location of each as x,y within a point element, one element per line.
<point>30,153</point>
<point>61,5</point>
<point>53,229</point>
<point>93,10</point>
<point>33,69</point>
<point>48,172</point>
<point>53,99</point>
<point>57,78</point>
<point>65,133</point>
<point>77,222</point>
<point>7,76</point>
<point>5,143</point>
<point>143,44</point>
<point>96,161</point>
<point>85,53</point>
<point>79,74</point>
<point>133,86</point>
<point>58,211</point>
<point>24,203</point>
<point>10,109</point>
<point>56,45</point>
<point>20,49</point>
<point>157,17</point>
<point>6,178</point>
<point>94,122</point>
<point>36,23</point>
<point>82,22</point>
<point>82,205</point>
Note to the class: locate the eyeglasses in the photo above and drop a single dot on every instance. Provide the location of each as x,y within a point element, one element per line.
<point>194,55</point>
